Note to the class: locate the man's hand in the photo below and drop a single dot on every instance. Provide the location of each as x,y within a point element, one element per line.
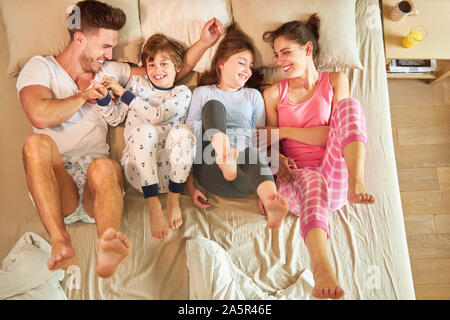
<point>211,32</point>
<point>96,91</point>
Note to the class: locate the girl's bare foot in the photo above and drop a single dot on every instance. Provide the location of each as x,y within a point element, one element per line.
<point>174,210</point>
<point>227,163</point>
<point>277,208</point>
<point>112,248</point>
<point>326,285</point>
<point>225,155</point>
<point>357,192</point>
<point>63,255</point>
<point>158,221</point>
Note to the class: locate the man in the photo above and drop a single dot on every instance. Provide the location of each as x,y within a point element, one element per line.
<point>69,174</point>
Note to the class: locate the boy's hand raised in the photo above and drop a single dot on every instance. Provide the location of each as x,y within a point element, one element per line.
<point>112,84</point>
<point>211,32</point>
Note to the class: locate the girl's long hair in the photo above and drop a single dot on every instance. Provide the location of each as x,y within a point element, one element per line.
<point>234,41</point>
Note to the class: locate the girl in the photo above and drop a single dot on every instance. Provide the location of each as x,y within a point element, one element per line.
<point>322,133</point>
<point>159,148</point>
<point>225,113</point>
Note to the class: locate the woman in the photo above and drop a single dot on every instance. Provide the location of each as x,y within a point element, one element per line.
<point>322,139</point>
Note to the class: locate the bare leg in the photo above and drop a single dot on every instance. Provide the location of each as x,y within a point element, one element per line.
<point>225,156</point>
<point>174,210</point>
<point>355,155</point>
<point>158,221</point>
<point>326,285</point>
<point>54,193</point>
<point>275,204</point>
<point>103,199</point>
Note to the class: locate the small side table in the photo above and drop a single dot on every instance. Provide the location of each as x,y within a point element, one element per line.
<point>434,16</point>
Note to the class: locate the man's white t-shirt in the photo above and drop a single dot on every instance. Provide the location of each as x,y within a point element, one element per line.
<point>85,132</point>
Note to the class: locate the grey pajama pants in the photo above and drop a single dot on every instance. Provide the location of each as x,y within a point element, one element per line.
<point>249,175</point>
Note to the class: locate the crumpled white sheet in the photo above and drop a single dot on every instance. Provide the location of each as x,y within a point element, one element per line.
<point>213,276</point>
<point>24,273</point>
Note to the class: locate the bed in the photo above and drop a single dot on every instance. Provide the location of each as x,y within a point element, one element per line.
<point>226,251</point>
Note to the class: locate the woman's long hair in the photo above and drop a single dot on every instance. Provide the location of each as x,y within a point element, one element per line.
<point>298,31</point>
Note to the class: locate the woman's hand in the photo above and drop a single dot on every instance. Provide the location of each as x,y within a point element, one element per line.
<point>285,165</point>
<point>211,32</point>
<point>266,136</point>
<point>199,199</point>
<point>112,84</point>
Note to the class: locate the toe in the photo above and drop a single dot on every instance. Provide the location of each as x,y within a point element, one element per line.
<point>109,234</point>
<point>51,263</point>
<point>339,292</point>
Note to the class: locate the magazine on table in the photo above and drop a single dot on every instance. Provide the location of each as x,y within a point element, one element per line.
<point>412,66</point>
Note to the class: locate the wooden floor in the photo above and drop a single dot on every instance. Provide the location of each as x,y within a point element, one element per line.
<point>421,128</point>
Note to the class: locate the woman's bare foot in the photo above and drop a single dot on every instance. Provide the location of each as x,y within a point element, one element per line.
<point>325,283</point>
<point>357,192</point>
<point>63,255</point>
<point>277,209</point>
<point>227,163</point>
<point>174,210</point>
<point>158,221</point>
<point>112,248</point>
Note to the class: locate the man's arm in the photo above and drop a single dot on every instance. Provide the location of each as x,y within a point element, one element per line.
<point>44,111</point>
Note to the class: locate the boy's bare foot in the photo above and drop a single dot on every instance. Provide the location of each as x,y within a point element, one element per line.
<point>112,248</point>
<point>174,210</point>
<point>63,255</point>
<point>326,285</point>
<point>158,221</point>
<point>227,163</point>
<point>277,208</point>
<point>357,192</point>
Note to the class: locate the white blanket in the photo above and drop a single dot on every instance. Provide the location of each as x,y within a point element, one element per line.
<point>213,276</point>
<point>24,274</point>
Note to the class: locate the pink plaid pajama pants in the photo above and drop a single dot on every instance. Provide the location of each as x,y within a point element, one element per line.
<point>317,191</point>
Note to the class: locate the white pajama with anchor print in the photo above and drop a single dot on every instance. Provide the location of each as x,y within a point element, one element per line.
<point>159,147</point>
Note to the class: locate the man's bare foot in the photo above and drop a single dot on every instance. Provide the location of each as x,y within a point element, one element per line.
<point>174,210</point>
<point>325,283</point>
<point>112,248</point>
<point>277,208</point>
<point>158,221</point>
<point>357,192</point>
<point>63,255</point>
<point>227,163</point>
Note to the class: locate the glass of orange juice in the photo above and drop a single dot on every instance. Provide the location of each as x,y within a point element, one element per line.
<point>415,35</point>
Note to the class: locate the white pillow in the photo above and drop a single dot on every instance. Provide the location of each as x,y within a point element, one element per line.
<point>183,21</point>
<point>39,27</point>
<point>337,32</point>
